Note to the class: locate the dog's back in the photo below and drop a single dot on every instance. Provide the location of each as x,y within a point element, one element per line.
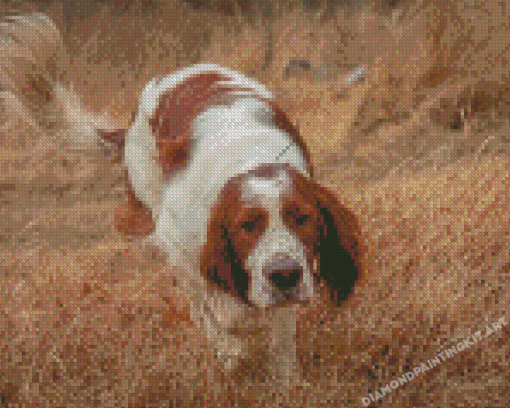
<point>195,130</point>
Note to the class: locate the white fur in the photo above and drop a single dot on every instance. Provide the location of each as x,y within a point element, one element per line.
<point>141,154</point>
<point>230,140</point>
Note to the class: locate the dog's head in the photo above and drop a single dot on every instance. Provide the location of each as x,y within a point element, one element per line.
<point>274,234</point>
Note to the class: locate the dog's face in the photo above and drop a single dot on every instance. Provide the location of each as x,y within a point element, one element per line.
<point>273,234</point>
<point>270,228</point>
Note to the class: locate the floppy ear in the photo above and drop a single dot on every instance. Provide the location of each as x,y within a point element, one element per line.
<point>215,258</point>
<point>134,218</point>
<point>338,243</point>
<point>218,259</point>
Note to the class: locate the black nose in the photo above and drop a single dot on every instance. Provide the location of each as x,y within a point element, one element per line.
<point>285,279</point>
<point>285,275</point>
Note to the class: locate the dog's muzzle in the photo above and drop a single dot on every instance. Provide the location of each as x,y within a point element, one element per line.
<point>285,276</point>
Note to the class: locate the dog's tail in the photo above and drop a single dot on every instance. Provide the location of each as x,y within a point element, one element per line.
<point>32,80</point>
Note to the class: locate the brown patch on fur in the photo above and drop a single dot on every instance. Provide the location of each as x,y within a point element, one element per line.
<point>172,126</point>
<point>345,220</point>
<point>338,245</point>
<point>173,120</point>
<point>134,218</point>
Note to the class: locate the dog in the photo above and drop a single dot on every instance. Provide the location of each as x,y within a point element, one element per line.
<point>218,171</point>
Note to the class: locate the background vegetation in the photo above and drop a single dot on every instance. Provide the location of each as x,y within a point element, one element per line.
<point>417,147</point>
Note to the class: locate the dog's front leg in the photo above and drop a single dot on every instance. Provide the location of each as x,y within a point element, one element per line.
<point>283,361</point>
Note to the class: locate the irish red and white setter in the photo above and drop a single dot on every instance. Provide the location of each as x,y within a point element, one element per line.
<point>216,169</point>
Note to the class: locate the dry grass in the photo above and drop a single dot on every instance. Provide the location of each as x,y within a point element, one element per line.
<point>417,148</point>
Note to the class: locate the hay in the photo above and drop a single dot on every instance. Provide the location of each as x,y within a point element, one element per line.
<point>417,148</point>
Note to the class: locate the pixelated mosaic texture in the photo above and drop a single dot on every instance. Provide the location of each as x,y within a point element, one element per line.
<point>404,106</point>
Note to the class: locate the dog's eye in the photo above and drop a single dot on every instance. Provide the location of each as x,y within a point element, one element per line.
<point>251,224</point>
<point>248,226</point>
<point>301,219</point>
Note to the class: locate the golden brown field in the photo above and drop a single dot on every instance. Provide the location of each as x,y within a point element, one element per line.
<point>416,148</point>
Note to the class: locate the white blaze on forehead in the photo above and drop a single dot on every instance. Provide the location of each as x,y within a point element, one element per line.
<point>267,190</point>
